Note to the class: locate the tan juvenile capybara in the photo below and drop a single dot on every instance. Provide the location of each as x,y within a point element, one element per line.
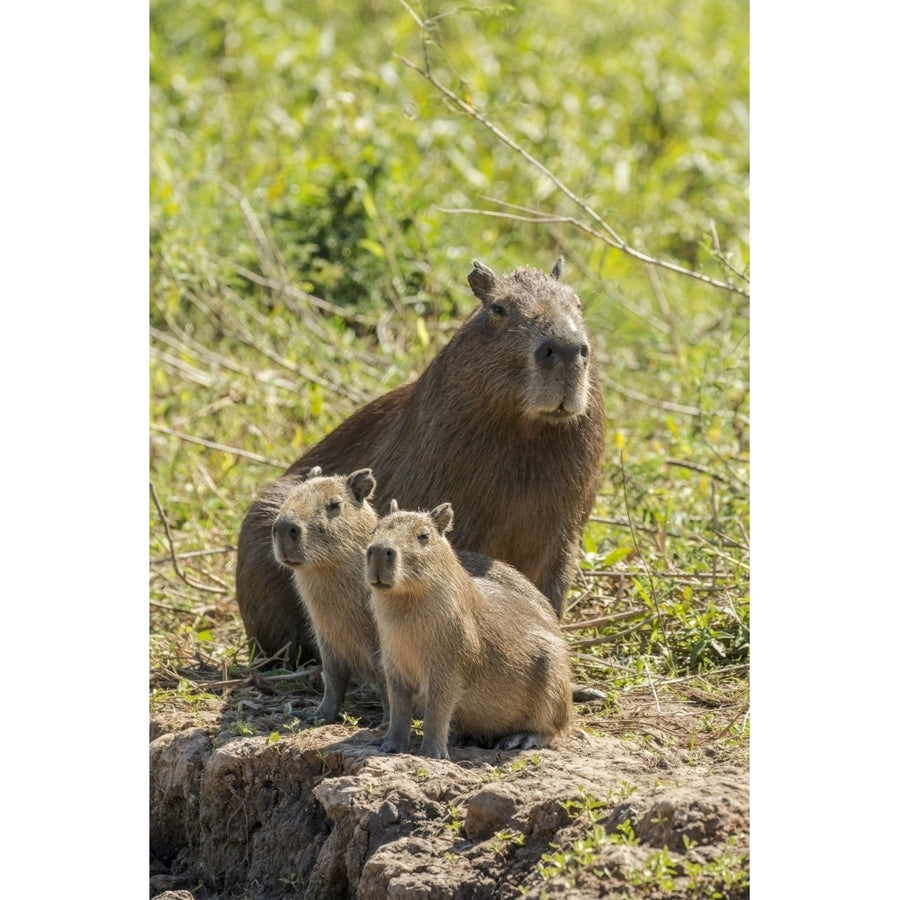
<point>507,423</point>
<point>483,655</point>
<point>319,535</point>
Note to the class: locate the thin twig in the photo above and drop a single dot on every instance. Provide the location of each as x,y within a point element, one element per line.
<point>189,554</point>
<point>606,638</point>
<point>652,401</point>
<point>624,523</point>
<point>723,731</point>
<point>653,688</point>
<point>288,290</point>
<point>254,679</point>
<point>253,457</point>
<point>664,308</point>
<point>695,467</point>
<point>174,556</point>
<point>721,256</point>
<point>603,620</point>
<point>641,573</point>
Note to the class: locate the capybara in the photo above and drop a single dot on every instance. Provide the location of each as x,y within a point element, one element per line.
<point>320,534</point>
<point>484,655</point>
<point>507,423</point>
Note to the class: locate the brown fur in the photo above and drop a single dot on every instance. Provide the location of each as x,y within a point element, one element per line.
<point>507,423</point>
<point>320,534</point>
<point>483,654</point>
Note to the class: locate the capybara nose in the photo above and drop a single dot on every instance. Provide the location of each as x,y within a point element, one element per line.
<point>286,531</point>
<point>552,352</point>
<point>380,564</point>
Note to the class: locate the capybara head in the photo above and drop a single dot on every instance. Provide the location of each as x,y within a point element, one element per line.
<point>409,549</point>
<point>324,520</point>
<point>532,326</point>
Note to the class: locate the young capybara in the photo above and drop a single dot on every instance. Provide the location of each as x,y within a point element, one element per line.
<point>483,655</point>
<point>507,423</point>
<point>320,534</point>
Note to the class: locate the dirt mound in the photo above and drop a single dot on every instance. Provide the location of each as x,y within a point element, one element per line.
<point>323,814</point>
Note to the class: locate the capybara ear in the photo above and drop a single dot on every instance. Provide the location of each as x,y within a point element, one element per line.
<point>395,506</point>
<point>481,280</point>
<point>361,484</point>
<point>443,517</point>
<point>557,270</point>
<point>314,472</point>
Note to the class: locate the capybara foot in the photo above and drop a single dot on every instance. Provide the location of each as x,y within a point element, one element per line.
<point>520,741</point>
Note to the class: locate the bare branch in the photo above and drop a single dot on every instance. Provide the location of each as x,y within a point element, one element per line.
<point>606,233</point>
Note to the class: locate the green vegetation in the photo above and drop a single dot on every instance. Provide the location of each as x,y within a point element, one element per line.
<point>660,872</point>
<point>316,202</point>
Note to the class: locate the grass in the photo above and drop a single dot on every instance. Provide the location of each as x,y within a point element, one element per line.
<point>315,206</point>
<point>662,871</point>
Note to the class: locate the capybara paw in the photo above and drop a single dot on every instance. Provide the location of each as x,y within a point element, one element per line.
<point>581,693</point>
<point>520,741</point>
<point>391,746</point>
<point>433,752</point>
<point>317,716</point>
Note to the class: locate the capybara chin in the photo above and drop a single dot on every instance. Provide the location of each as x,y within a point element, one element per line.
<point>482,655</point>
<point>506,423</point>
<point>320,533</point>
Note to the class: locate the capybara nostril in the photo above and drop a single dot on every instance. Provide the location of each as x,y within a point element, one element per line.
<point>546,354</point>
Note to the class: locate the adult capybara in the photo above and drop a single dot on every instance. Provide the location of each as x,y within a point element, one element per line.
<point>320,534</point>
<point>484,655</point>
<point>506,423</point>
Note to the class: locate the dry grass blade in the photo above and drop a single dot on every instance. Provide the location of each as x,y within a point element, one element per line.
<point>212,445</point>
<point>602,621</point>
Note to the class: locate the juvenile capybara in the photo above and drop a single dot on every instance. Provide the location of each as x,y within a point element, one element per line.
<point>483,655</point>
<point>507,423</point>
<point>320,535</point>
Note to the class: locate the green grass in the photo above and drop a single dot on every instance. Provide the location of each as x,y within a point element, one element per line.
<point>660,872</point>
<point>308,253</point>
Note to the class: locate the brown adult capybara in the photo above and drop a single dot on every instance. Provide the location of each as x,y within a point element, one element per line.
<point>507,423</point>
<point>484,655</point>
<point>320,535</point>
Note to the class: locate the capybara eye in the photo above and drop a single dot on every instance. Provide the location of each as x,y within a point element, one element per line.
<point>334,506</point>
<point>585,351</point>
<point>498,309</point>
<point>423,537</point>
